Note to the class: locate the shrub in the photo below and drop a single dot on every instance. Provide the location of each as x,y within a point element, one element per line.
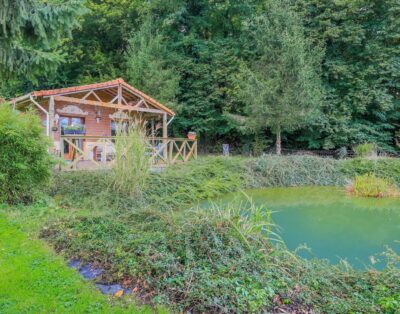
<point>132,162</point>
<point>271,170</point>
<point>369,185</point>
<point>365,150</point>
<point>25,164</point>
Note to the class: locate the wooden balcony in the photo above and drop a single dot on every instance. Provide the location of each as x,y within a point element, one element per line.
<point>92,152</point>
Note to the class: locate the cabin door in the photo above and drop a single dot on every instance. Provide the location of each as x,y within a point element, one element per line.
<point>71,126</point>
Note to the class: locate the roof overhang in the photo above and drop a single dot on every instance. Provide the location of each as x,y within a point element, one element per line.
<point>120,95</point>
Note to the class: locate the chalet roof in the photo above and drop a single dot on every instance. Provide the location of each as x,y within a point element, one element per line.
<point>108,86</point>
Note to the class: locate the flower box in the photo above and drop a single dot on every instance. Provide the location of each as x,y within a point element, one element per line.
<point>191,136</point>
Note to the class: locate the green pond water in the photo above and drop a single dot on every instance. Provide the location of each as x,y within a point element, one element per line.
<point>332,224</point>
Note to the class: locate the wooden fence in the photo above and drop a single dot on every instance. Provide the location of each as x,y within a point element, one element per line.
<point>93,152</point>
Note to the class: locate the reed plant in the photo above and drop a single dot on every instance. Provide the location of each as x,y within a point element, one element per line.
<point>251,222</point>
<point>132,160</point>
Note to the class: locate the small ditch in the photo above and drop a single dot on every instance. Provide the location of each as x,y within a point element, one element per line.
<point>90,272</point>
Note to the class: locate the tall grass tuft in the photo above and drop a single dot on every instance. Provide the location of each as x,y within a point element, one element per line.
<point>249,221</point>
<point>366,150</point>
<point>369,185</point>
<point>132,162</point>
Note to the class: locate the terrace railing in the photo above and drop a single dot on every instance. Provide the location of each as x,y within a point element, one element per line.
<point>94,152</point>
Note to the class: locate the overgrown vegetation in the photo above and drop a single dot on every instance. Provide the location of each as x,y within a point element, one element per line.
<point>368,185</point>
<point>217,260</point>
<point>270,170</point>
<point>25,164</point>
<point>210,177</point>
<point>387,168</point>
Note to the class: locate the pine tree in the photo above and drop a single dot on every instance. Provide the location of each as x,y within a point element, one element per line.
<point>31,32</point>
<point>281,87</point>
<point>147,66</point>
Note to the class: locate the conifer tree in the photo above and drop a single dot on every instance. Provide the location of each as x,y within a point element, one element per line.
<point>31,32</point>
<point>281,87</point>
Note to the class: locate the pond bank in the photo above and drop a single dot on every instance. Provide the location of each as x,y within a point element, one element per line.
<point>332,224</point>
<point>195,260</point>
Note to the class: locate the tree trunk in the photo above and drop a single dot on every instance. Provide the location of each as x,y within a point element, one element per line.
<point>278,142</point>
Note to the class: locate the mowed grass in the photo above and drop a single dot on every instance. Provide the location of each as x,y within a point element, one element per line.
<point>34,280</point>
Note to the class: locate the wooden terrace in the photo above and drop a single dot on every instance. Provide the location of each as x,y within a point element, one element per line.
<point>101,154</point>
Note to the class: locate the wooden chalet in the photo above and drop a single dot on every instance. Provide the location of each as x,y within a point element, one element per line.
<point>81,121</point>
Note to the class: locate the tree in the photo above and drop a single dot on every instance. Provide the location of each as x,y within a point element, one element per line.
<point>149,67</point>
<point>361,70</point>
<point>281,87</point>
<point>31,32</point>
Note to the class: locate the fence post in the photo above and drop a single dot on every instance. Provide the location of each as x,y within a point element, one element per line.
<point>171,150</point>
<point>104,154</point>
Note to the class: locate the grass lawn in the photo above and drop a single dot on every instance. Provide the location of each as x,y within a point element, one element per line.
<point>34,280</point>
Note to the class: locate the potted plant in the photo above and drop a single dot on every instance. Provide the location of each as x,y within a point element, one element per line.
<point>191,136</point>
<point>74,129</point>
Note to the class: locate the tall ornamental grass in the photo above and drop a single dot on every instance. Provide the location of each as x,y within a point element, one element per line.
<point>132,161</point>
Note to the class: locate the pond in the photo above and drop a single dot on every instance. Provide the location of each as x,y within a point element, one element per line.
<point>332,224</point>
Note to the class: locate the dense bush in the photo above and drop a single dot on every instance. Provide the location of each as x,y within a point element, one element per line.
<point>270,170</point>
<point>25,164</point>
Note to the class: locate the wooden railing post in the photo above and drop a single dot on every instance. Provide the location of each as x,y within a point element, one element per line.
<point>165,135</point>
<point>61,151</point>
<point>171,151</point>
<point>104,153</point>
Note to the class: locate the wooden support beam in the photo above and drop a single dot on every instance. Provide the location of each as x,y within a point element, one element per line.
<point>46,113</point>
<point>139,104</point>
<point>165,134</point>
<point>106,105</point>
<point>119,94</point>
<point>95,95</point>
<point>114,99</point>
<point>51,115</point>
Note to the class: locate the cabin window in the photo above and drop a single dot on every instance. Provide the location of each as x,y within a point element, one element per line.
<point>115,125</point>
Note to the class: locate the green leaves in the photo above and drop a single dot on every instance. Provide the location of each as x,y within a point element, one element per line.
<point>361,69</point>
<point>25,164</point>
<point>31,33</point>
